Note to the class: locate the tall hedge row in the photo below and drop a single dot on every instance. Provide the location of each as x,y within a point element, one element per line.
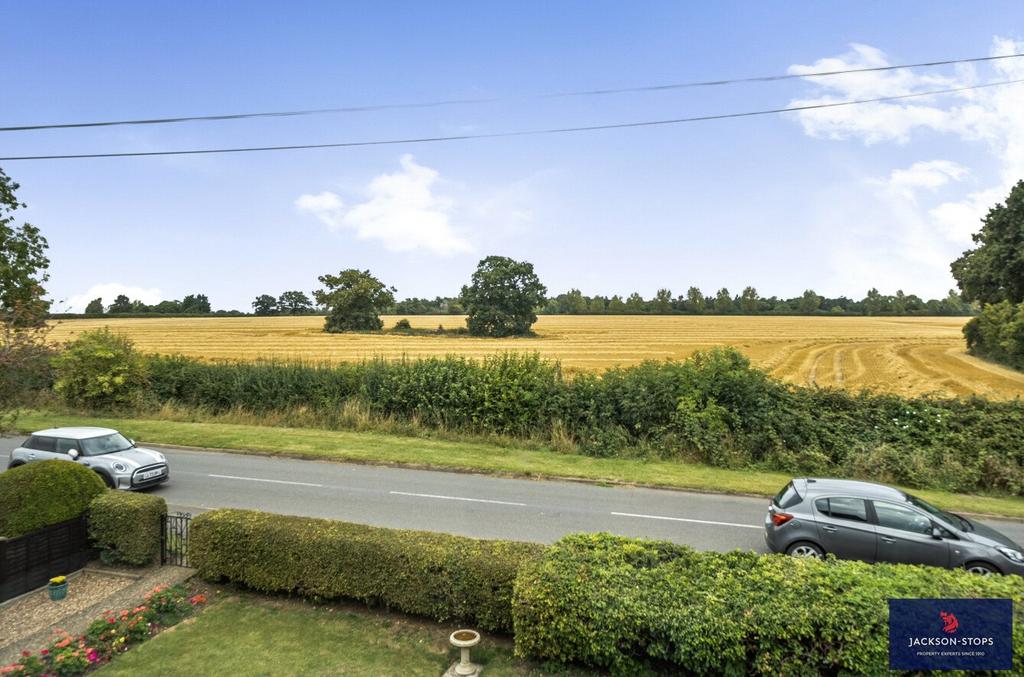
<point>635,607</point>
<point>126,527</point>
<point>45,493</point>
<point>713,408</point>
<point>434,575</point>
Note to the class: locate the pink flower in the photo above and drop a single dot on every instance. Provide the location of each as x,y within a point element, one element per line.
<point>92,656</point>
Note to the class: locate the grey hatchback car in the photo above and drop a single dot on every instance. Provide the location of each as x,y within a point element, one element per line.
<point>116,459</point>
<point>876,523</point>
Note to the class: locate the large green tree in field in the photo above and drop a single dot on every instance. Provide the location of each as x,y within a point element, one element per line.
<point>992,274</point>
<point>501,298</point>
<point>354,300</point>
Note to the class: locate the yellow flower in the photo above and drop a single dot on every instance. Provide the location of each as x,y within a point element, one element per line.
<point>57,580</point>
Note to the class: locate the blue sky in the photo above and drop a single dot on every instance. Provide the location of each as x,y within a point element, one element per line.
<point>882,195</point>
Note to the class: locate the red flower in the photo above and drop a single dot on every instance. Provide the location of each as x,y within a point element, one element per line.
<point>44,652</point>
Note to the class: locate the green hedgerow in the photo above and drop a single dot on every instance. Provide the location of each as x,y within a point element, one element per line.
<point>127,526</point>
<point>633,606</point>
<point>434,575</point>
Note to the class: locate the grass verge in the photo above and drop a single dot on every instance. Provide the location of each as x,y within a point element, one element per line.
<point>245,634</point>
<point>364,447</point>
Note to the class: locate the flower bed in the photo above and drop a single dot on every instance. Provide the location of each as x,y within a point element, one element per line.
<point>113,633</point>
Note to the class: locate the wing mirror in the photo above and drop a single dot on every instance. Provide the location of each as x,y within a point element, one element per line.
<point>937,533</point>
<point>73,453</point>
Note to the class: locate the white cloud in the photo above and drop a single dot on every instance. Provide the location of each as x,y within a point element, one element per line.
<point>930,175</point>
<point>919,241</point>
<point>402,211</point>
<point>108,291</point>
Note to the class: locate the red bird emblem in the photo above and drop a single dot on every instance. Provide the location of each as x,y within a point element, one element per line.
<point>950,623</point>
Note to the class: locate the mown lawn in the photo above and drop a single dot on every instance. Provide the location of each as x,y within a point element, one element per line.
<point>251,635</point>
<point>362,447</point>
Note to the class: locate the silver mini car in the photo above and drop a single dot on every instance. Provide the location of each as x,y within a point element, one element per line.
<point>876,523</point>
<point>116,459</point>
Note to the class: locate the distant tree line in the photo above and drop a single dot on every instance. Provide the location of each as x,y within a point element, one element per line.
<point>723,302</point>
<point>288,303</point>
<point>193,304</point>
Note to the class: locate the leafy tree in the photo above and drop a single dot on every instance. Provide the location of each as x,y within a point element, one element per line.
<point>662,303</point>
<point>809,302</point>
<point>100,370</point>
<point>994,270</point>
<point>294,303</point>
<point>354,300</point>
<point>596,306</point>
<point>749,301</point>
<point>167,307</point>
<point>616,304</point>
<point>95,307</point>
<point>121,304</point>
<point>723,301</point>
<point>635,303</point>
<point>23,263</point>
<point>694,300</point>
<point>196,303</point>
<point>265,304</point>
<point>573,302</point>
<point>874,303</point>
<point>501,297</point>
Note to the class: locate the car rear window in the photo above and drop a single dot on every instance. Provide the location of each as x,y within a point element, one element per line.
<point>788,497</point>
<point>843,508</point>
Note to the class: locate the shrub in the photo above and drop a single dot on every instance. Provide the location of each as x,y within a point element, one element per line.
<point>998,333</point>
<point>126,527</point>
<point>42,494</point>
<point>434,575</point>
<point>633,607</point>
<point>100,370</point>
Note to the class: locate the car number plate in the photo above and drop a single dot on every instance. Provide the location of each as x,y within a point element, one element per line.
<point>151,473</point>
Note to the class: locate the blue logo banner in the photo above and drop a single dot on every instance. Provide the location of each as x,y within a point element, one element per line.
<point>950,634</point>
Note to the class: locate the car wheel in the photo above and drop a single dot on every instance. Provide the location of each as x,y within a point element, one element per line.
<point>15,464</point>
<point>805,549</point>
<point>981,568</point>
<point>106,480</point>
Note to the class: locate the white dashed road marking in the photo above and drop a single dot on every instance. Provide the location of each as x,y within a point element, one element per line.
<point>456,498</point>
<point>259,479</point>
<point>683,519</point>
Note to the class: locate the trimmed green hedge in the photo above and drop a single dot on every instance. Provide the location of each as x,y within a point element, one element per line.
<point>42,494</point>
<point>126,527</point>
<point>635,607</point>
<point>434,575</point>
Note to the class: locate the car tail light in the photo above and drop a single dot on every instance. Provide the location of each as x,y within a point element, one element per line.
<point>780,518</point>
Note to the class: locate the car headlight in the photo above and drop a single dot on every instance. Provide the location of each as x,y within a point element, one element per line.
<point>120,467</point>
<point>1011,554</point>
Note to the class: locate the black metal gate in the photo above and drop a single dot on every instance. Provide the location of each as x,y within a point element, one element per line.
<point>174,539</point>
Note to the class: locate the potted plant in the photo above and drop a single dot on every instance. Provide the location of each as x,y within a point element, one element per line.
<point>58,588</point>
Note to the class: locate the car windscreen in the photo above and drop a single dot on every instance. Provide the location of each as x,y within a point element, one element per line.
<point>787,497</point>
<point>955,520</point>
<point>107,444</point>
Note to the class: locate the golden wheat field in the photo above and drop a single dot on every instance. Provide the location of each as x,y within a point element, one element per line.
<point>908,355</point>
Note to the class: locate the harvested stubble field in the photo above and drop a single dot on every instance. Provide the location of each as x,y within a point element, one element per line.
<point>906,355</point>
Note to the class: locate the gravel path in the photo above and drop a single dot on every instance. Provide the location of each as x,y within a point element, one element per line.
<point>29,622</point>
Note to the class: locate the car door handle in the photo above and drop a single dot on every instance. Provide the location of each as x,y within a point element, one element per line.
<point>31,455</point>
<point>829,529</point>
<point>886,539</point>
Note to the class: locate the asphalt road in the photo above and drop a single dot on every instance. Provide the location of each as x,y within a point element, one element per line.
<point>457,503</point>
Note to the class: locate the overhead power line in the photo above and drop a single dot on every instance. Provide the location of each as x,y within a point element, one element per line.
<point>498,135</point>
<point>452,102</point>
